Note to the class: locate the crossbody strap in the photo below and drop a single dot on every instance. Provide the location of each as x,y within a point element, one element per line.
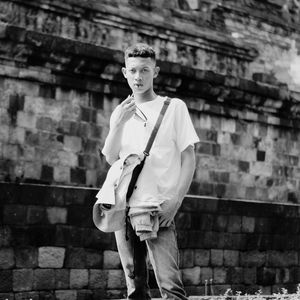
<point>157,125</point>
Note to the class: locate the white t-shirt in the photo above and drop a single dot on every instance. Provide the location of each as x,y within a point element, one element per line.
<point>175,134</point>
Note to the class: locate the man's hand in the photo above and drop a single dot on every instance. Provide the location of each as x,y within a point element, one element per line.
<point>168,212</point>
<point>125,111</point>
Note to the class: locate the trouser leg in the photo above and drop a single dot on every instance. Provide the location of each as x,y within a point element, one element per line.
<point>133,254</point>
<point>164,257</point>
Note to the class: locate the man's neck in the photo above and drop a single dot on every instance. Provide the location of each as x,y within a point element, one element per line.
<point>145,97</point>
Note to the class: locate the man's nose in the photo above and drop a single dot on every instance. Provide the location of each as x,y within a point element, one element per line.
<point>137,75</point>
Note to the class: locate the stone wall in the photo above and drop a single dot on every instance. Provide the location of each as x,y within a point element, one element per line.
<point>50,248</point>
<point>60,80</point>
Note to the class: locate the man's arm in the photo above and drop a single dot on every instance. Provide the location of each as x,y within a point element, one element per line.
<point>113,141</point>
<point>170,208</point>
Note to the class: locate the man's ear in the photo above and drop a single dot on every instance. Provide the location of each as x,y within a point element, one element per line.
<point>124,72</point>
<point>156,71</point>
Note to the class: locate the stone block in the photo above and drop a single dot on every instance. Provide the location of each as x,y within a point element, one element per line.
<point>94,259</point>
<point>250,276</point>
<point>62,279</point>
<point>234,224</point>
<point>281,259</point>
<point>27,295</point>
<point>7,296</point>
<point>235,275</point>
<point>72,143</point>
<point>98,279</point>
<point>5,236</point>
<point>80,216</point>
<point>219,275</point>
<point>228,125</point>
<point>69,159</point>
<point>46,124</point>
<point>14,214</point>
<point>206,274</point>
<point>26,257</point>
<point>6,280</point>
<point>62,174</point>
<point>26,120</point>
<point>51,257</point>
<point>111,260</point>
<point>75,258</point>
<point>220,223</point>
<point>66,295</point>
<point>248,224</point>
<point>201,257</point>
<point>84,295</point>
<point>7,259</point>
<point>266,276</point>
<point>186,258</point>
<point>47,173</point>
<point>116,279</point>
<point>183,220</point>
<point>231,258</point>
<point>283,275</point>
<point>47,295</point>
<point>78,175</point>
<point>243,166</point>
<point>216,257</point>
<point>57,215</point>
<point>191,276</point>
<point>252,258</point>
<point>22,280</point>
<point>44,279</point>
<point>36,215</point>
<point>79,278</point>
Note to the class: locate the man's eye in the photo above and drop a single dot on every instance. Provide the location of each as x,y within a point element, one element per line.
<point>145,70</point>
<point>132,71</point>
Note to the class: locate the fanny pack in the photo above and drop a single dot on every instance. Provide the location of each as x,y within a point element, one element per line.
<point>108,215</point>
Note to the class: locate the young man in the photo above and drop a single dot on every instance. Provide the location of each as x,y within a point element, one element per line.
<point>171,161</point>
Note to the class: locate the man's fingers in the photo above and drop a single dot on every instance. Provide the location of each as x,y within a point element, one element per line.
<point>127,100</point>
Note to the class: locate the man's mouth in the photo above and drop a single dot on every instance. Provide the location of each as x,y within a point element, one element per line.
<point>138,85</point>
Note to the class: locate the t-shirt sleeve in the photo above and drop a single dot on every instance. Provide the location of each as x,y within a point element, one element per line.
<point>185,132</point>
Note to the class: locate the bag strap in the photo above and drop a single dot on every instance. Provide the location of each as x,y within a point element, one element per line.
<point>157,125</point>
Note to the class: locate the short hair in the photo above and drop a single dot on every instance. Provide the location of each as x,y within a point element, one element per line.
<point>140,50</point>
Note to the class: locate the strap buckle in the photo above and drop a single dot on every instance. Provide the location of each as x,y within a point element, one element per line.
<point>146,153</point>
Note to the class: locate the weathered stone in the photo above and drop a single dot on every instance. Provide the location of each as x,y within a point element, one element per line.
<point>26,257</point>
<point>62,279</point>
<point>78,278</point>
<point>6,280</point>
<point>281,259</point>
<point>231,258</point>
<point>98,279</point>
<point>7,259</point>
<point>252,258</point>
<point>248,224</point>
<point>22,280</point>
<point>191,276</point>
<point>115,279</point>
<point>57,215</point>
<point>66,295</point>
<point>51,257</point>
<point>216,257</point>
<point>219,275</point>
<point>44,279</point>
<point>27,295</point>
<point>111,260</point>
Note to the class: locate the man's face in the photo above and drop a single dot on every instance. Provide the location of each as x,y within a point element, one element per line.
<point>140,72</point>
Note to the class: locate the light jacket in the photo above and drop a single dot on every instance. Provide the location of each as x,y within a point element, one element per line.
<point>113,193</point>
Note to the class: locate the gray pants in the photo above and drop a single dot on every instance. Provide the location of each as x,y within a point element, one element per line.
<point>163,254</point>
